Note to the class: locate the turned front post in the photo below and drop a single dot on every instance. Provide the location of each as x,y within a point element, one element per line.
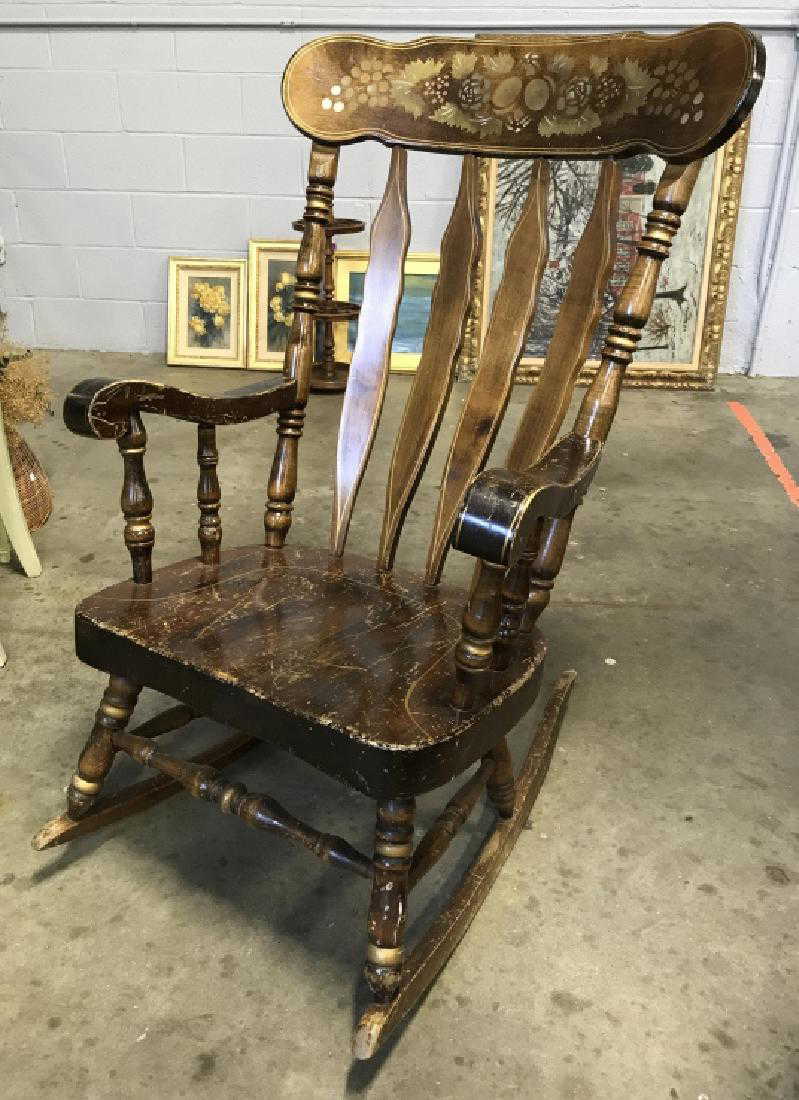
<point>388,904</point>
<point>300,348</point>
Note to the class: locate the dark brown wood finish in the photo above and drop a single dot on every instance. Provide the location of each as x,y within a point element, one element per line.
<point>382,679</point>
<point>432,382</point>
<point>275,643</point>
<point>389,900</point>
<point>95,761</point>
<point>262,812</point>
<point>282,486</point>
<point>485,404</point>
<point>209,495</point>
<point>530,95</point>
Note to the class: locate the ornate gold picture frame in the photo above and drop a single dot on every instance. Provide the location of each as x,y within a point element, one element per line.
<point>681,345</point>
<point>206,311</point>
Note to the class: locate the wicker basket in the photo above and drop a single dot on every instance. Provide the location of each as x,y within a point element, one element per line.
<point>33,487</point>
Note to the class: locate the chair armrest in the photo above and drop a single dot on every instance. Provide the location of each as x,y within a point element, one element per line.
<point>102,407</point>
<point>501,507</point>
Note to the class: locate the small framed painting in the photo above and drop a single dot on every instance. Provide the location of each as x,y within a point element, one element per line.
<point>270,296</point>
<point>421,272</point>
<point>206,307</point>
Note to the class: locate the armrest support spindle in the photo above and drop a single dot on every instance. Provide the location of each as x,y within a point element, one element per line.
<point>209,495</point>
<point>137,501</point>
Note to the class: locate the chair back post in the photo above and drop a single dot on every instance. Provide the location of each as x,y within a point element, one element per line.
<point>282,486</point>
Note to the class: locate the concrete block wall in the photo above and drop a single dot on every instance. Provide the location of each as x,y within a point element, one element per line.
<point>121,145</point>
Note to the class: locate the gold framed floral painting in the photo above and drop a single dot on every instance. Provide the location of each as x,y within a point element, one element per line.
<point>270,295</point>
<point>681,343</point>
<point>206,312</point>
<point>421,272</point>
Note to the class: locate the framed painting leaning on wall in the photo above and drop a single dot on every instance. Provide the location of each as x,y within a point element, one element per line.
<point>270,296</point>
<point>421,272</point>
<point>681,343</point>
<point>205,312</point>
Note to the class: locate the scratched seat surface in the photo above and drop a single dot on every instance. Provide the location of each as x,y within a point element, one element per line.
<point>349,670</point>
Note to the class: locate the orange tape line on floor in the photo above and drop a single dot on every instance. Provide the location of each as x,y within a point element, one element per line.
<point>763,444</point>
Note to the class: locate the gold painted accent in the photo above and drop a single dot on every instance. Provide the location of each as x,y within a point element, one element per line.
<point>85,786</point>
<point>108,709</point>
<point>393,851</point>
<point>700,373</point>
<point>384,956</point>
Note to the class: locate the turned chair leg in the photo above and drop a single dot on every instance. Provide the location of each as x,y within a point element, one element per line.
<point>501,785</point>
<point>113,714</point>
<point>388,904</point>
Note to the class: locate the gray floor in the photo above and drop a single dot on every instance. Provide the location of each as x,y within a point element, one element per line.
<point>641,941</point>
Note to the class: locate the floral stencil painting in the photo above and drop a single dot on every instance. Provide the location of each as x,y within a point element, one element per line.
<point>206,312</point>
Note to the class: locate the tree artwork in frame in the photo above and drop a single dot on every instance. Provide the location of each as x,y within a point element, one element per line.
<point>206,312</point>
<point>681,343</point>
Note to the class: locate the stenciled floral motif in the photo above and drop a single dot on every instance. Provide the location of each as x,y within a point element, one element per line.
<point>488,93</point>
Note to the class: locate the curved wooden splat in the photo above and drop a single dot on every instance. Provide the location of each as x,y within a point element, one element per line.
<point>102,407</point>
<point>368,374</point>
<point>578,317</point>
<point>679,95</point>
<point>485,404</point>
<point>432,381</point>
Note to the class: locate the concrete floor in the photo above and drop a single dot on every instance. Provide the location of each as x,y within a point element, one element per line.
<point>641,941</point>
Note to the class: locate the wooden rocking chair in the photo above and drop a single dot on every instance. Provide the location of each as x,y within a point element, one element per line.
<point>382,679</point>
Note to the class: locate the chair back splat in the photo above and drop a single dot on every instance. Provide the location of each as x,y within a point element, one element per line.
<point>597,96</point>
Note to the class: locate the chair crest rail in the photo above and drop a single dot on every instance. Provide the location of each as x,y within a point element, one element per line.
<point>531,95</point>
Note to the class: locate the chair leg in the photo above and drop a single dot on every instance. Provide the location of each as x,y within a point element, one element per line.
<point>388,904</point>
<point>501,785</point>
<point>94,764</point>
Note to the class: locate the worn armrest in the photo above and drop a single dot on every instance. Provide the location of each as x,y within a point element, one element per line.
<point>102,407</point>
<point>501,507</point>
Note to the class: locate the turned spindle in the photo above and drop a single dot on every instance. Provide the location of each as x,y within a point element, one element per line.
<point>209,495</point>
<point>301,344</point>
<point>475,649</point>
<point>388,904</point>
<point>137,501</point>
<point>98,753</point>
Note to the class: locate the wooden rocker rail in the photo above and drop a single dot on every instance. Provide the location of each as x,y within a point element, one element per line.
<point>447,930</point>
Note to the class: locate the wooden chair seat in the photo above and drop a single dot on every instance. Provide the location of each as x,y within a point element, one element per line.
<point>349,671</point>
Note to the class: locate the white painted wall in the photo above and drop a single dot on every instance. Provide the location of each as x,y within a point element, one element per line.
<point>162,133</point>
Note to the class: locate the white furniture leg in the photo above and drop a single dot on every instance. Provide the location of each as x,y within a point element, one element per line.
<point>11,515</point>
